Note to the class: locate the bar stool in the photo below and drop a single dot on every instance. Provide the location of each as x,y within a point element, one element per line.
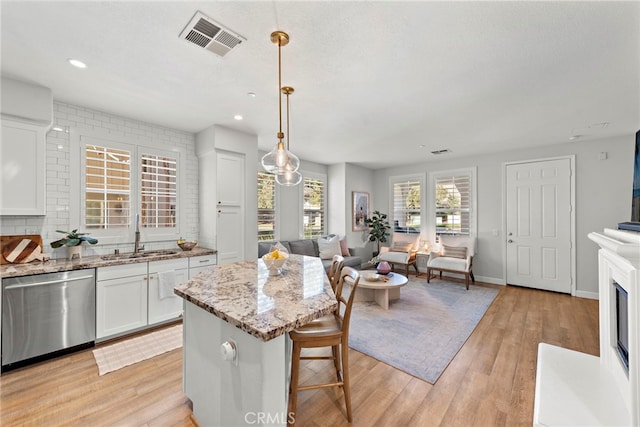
<point>334,270</point>
<point>328,331</point>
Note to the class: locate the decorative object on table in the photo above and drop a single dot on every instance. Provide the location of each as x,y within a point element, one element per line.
<point>72,241</point>
<point>186,245</point>
<point>383,267</point>
<point>280,161</point>
<point>370,277</point>
<point>379,228</point>
<point>424,329</point>
<point>360,213</point>
<point>275,259</point>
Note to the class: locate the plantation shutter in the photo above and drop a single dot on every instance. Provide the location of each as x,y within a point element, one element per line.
<point>314,200</point>
<point>266,206</point>
<point>406,206</point>
<point>107,187</point>
<point>158,191</point>
<point>453,204</point>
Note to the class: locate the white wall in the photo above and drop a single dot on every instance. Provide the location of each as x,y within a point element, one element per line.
<point>59,169</point>
<point>359,179</point>
<point>603,198</point>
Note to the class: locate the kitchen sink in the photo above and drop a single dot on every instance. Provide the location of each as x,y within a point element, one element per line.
<point>143,254</point>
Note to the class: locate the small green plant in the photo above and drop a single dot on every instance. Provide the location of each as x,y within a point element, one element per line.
<point>379,228</point>
<point>73,238</point>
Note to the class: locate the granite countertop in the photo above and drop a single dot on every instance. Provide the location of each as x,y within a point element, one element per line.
<point>57,265</point>
<point>264,306</point>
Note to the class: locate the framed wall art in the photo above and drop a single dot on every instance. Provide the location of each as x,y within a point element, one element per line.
<point>360,210</point>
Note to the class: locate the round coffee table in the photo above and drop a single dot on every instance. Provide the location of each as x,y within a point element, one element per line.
<point>382,291</point>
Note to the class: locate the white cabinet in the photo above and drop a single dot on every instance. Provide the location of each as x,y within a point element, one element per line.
<point>230,207</point>
<point>121,299</point>
<point>163,277</point>
<point>200,263</point>
<point>22,157</point>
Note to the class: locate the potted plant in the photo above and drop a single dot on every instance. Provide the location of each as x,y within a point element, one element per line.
<point>72,240</point>
<point>379,228</point>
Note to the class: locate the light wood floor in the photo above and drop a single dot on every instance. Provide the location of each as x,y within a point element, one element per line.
<point>490,382</point>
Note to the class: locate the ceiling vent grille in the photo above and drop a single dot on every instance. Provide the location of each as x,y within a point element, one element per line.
<point>208,34</point>
<point>444,151</point>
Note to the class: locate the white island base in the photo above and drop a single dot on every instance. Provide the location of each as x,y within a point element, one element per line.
<point>255,392</point>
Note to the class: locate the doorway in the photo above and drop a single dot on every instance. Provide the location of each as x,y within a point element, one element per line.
<point>540,224</point>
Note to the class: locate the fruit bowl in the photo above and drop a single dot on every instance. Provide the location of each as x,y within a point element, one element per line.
<point>274,261</point>
<point>371,277</point>
<point>187,246</point>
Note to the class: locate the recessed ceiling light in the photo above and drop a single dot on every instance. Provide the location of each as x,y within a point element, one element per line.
<point>421,146</point>
<point>252,94</point>
<point>77,63</point>
<point>237,117</point>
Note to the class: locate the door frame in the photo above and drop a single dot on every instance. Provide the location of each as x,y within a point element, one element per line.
<point>572,219</point>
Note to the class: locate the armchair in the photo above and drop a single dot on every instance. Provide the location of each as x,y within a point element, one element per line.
<point>455,256</point>
<point>401,252</point>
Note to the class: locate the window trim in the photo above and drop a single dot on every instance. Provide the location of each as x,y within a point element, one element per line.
<point>431,194</point>
<point>322,177</point>
<point>276,211</point>
<point>77,139</point>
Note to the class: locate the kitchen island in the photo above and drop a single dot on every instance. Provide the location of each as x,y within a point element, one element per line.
<point>240,307</point>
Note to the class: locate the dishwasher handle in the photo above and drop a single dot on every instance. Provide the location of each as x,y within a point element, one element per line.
<point>48,282</point>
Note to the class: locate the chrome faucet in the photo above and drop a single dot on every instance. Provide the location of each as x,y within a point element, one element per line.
<point>136,245</point>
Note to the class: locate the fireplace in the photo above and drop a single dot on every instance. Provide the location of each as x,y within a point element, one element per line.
<point>579,389</point>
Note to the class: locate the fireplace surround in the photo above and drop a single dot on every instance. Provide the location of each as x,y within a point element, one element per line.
<point>574,388</point>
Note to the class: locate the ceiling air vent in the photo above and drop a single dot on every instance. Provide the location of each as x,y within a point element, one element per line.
<point>443,151</point>
<point>208,34</point>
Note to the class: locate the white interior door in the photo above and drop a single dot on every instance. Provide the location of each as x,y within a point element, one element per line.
<point>539,224</point>
<point>230,207</point>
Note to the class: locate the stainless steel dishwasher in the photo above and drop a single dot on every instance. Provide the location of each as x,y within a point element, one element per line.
<point>45,315</point>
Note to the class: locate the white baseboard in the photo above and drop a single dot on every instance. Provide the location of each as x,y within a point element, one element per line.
<point>587,294</point>
<point>492,280</point>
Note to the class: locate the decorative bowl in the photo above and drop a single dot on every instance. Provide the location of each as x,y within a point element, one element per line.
<point>371,277</point>
<point>274,262</point>
<point>187,246</point>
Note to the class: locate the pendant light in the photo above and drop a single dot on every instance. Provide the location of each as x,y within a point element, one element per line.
<point>289,177</point>
<point>280,160</point>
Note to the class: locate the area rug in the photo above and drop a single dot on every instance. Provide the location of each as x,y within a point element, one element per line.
<point>134,350</point>
<point>423,330</point>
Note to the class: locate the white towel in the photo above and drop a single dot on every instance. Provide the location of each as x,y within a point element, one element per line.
<point>166,283</point>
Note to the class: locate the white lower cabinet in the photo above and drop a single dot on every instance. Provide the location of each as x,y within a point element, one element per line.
<point>121,299</point>
<point>200,263</point>
<point>163,277</point>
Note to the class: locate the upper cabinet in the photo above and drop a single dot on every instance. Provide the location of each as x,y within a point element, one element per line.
<point>27,114</point>
<point>22,156</point>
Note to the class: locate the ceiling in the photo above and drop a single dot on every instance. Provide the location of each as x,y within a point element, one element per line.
<point>376,83</point>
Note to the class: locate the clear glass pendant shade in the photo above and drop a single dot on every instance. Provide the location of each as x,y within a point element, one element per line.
<point>280,160</point>
<point>289,179</point>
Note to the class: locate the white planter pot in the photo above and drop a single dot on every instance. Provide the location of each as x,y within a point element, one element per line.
<point>74,252</point>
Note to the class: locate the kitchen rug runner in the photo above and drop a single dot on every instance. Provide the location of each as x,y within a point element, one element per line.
<point>115,356</point>
<point>423,330</point>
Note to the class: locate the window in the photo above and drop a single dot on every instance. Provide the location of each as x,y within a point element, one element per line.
<point>313,205</point>
<point>158,191</point>
<point>453,197</point>
<point>107,187</point>
<point>406,206</point>
<point>266,206</point>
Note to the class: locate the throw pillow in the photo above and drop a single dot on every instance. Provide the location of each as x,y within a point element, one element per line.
<point>454,251</point>
<point>401,247</point>
<point>344,248</point>
<point>329,246</point>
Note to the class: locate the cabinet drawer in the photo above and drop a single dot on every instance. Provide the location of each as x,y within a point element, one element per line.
<point>202,261</point>
<point>170,264</point>
<point>118,271</point>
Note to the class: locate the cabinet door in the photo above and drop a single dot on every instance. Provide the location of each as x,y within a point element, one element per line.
<point>121,305</point>
<point>164,304</point>
<point>230,179</point>
<point>200,263</point>
<point>230,235</point>
<point>22,157</point>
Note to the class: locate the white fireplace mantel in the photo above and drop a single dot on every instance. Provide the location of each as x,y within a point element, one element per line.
<point>578,389</point>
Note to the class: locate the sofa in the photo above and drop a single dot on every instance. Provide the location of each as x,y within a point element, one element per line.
<point>308,247</point>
